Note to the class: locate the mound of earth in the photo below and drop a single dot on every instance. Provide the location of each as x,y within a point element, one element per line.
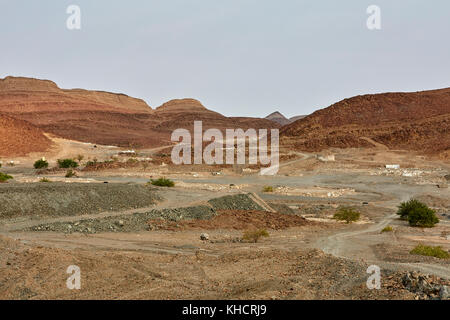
<point>107,118</point>
<point>141,221</point>
<point>18,137</point>
<point>418,121</point>
<point>235,219</point>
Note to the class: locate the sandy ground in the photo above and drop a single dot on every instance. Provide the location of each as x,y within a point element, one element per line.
<point>306,256</point>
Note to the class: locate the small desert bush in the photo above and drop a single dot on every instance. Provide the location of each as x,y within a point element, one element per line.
<point>162,182</point>
<point>429,251</point>
<point>405,208</point>
<point>4,177</point>
<point>422,217</point>
<point>44,180</point>
<point>387,229</point>
<point>70,174</point>
<point>132,160</point>
<point>255,235</point>
<point>67,163</point>
<point>41,164</point>
<point>347,214</point>
<point>91,163</point>
<point>268,189</point>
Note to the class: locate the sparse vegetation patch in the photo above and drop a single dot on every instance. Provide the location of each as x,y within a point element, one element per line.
<point>67,163</point>
<point>423,217</point>
<point>405,208</point>
<point>347,214</point>
<point>418,214</point>
<point>430,251</point>
<point>162,182</point>
<point>70,174</point>
<point>255,235</point>
<point>41,164</point>
<point>4,177</point>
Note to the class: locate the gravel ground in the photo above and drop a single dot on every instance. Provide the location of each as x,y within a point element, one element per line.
<point>281,208</point>
<point>139,221</point>
<point>234,202</point>
<point>127,223</point>
<point>28,272</point>
<point>64,199</point>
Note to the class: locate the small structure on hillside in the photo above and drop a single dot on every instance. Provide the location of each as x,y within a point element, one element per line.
<point>326,157</point>
<point>393,166</point>
<point>128,153</point>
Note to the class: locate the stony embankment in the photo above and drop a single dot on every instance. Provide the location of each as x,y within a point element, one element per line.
<point>63,199</point>
<point>139,221</point>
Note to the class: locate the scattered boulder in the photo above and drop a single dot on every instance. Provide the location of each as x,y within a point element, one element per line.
<point>204,237</point>
<point>425,286</point>
<point>444,293</point>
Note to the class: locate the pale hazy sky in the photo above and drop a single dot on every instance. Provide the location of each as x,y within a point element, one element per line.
<point>239,57</point>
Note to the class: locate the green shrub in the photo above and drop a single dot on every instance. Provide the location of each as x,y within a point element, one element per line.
<point>41,164</point>
<point>44,180</point>
<point>5,177</point>
<point>70,173</point>
<point>162,182</point>
<point>422,217</point>
<point>347,214</point>
<point>405,208</point>
<point>255,235</point>
<point>67,163</point>
<point>387,229</point>
<point>436,252</point>
<point>268,189</point>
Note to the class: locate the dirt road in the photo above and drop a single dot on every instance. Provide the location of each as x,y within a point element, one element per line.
<point>357,244</point>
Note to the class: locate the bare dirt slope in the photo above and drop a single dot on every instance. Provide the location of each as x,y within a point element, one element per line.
<point>417,121</point>
<point>18,137</point>
<point>36,272</point>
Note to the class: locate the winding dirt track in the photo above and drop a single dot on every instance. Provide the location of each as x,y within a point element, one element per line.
<point>348,244</point>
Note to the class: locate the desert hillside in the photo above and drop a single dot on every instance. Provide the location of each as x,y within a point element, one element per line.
<point>107,118</point>
<point>181,113</point>
<point>18,137</point>
<point>413,121</point>
<point>25,95</point>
